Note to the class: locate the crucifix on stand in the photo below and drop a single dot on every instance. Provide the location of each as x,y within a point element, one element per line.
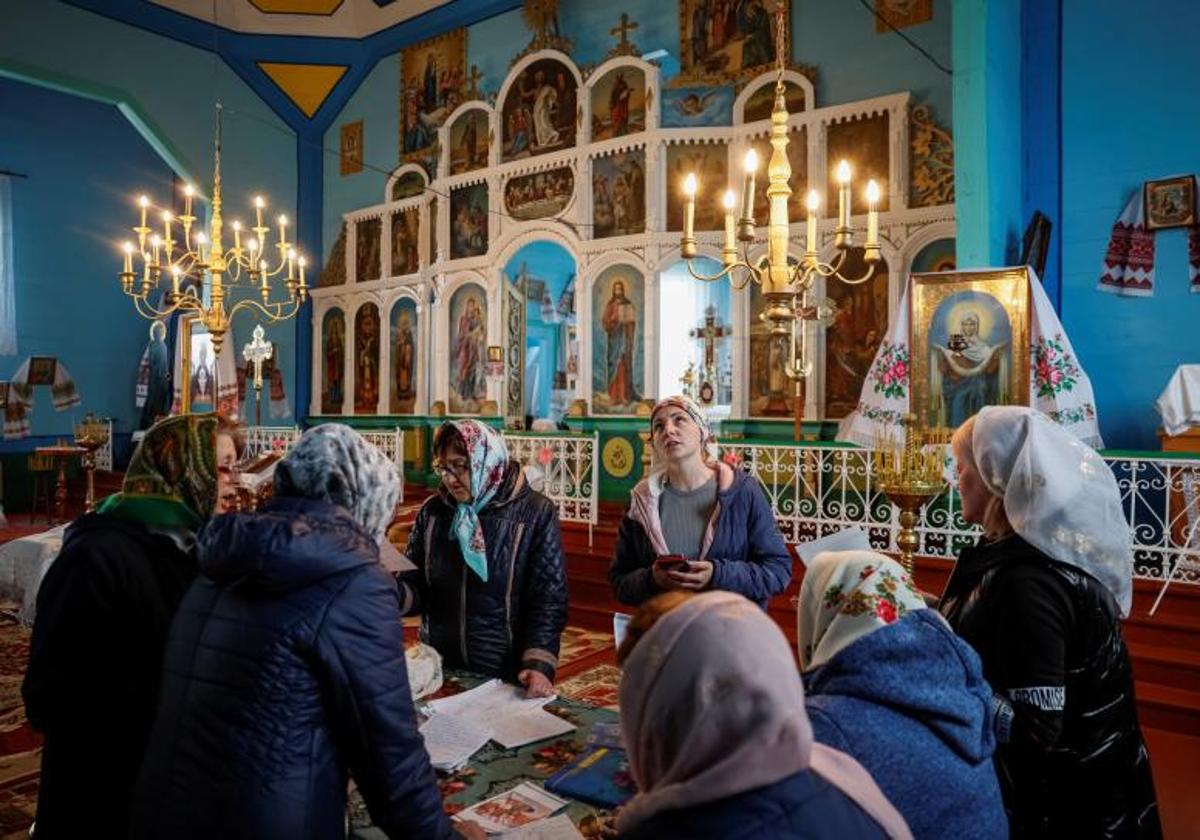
<point>257,352</point>
<point>710,332</point>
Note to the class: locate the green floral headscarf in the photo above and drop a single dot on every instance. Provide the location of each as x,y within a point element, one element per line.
<point>171,481</point>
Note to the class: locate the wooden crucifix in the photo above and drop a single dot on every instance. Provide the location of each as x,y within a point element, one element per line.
<point>257,352</point>
<point>473,83</point>
<point>710,332</point>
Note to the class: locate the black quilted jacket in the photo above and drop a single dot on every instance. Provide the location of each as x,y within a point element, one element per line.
<point>514,620</point>
<point>284,674</point>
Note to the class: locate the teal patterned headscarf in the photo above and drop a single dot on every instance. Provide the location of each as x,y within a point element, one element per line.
<point>488,456</point>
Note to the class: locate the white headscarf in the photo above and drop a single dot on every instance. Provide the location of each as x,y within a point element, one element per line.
<point>1058,494</point>
<point>846,595</point>
<point>712,706</point>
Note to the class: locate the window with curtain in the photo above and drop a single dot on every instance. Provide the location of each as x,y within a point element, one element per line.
<point>8,298</point>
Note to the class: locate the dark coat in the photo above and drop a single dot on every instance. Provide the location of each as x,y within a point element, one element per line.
<point>1071,759</point>
<point>513,620</point>
<point>747,551</point>
<point>909,702</point>
<point>95,659</point>
<point>801,807</point>
<point>285,672</point>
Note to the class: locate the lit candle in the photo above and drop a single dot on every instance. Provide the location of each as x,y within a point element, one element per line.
<point>166,217</point>
<point>302,262</point>
<point>188,192</point>
<point>259,204</point>
<point>810,234</point>
<point>283,230</point>
<point>253,246</point>
<point>143,202</point>
<point>201,241</point>
<point>154,243</point>
<point>262,271</point>
<point>872,213</point>
<point>689,206</point>
<point>751,166</point>
<point>175,280</point>
<point>730,252</point>
<point>128,246</point>
<point>237,239</point>
<point>291,254</point>
<point>843,177</point>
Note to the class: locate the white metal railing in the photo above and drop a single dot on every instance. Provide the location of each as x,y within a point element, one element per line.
<point>818,490</point>
<point>391,444</point>
<point>260,439</point>
<point>570,464</point>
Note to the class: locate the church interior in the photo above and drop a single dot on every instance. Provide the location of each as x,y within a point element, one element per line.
<point>843,230</point>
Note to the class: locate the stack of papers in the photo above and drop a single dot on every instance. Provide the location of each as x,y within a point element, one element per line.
<point>451,741</point>
<point>526,803</point>
<point>512,719</point>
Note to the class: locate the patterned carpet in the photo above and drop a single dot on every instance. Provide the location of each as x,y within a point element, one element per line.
<point>20,750</point>
<point>597,686</point>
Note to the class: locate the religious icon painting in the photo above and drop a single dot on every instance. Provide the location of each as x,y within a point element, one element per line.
<point>433,227</point>
<point>797,154</point>
<point>539,195</point>
<point>720,40</point>
<point>202,379</point>
<point>619,194</point>
<point>969,343</point>
<point>366,359</point>
<point>333,273</point>
<point>368,264</point>
<point>469,142</point>
<point>897,14</point>
<point>469,221</point>
<point>402,390</point>
<point>540,111</point>
<point>619,103</point>
<point>851,340</point>
<point>333,362</point>
<point>431,87</point>
<point>761,103</point>
<point>468,349</point>
<point>864,144</point>
<point>710,164</point>
<point>1170,202</point>
<point>352,148</point>
<point>938,255</point>
<point>409,184</point>
<point>697,107</point>
<point>405,236</point>
<point>618,327</point>
<point>770,390</point>
<point>42,370</point>
<point>4,395</point>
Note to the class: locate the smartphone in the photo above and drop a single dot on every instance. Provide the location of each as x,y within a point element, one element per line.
<point>673,563</point>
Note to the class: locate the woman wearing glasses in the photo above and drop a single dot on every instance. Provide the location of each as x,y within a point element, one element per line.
<point>490,583</point>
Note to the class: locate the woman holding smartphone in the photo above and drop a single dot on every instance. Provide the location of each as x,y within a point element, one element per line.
<point>696,523</point>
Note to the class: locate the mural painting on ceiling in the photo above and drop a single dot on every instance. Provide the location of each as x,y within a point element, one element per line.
<point>333,352</point>
<point>693,107</point>
<point>721,40</point>
<point>863,143</point>
<point>797,153</point>
<point>366,359</point>
<point>853,337</point>
<point>367,260</point>
<point>431,82</point>
<point>938,255</point>
<point>760,103</point>
<point>901,13</point>
<point>407,185</point>
<point>334,271</point>
<point>352,148</point>
<point>402,390</point>
<point>469,142</point>
<point>619,103</point>
<point>405,236</point>
<point>709,162</point>
<point>468,349</point>
<point>539,110</point>
<point>539,195</point>
<point>468,221</point>
<point>770,390</point>
<point>619,194</point>
<point>618,324</point>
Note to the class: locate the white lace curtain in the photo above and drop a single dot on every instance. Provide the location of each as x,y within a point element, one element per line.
<point>8,297</point>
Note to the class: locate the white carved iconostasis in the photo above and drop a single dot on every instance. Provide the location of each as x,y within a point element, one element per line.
<point>431,258</point>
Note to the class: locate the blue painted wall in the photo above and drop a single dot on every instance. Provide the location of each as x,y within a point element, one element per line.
<point>1130,112</point>
<point>80,156</point>
<point>553,264</point>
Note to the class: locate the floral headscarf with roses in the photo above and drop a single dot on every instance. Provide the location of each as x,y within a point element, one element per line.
<point>488,456</point>
<point>845,596</point>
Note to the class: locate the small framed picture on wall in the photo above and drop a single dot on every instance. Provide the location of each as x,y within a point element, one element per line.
<point>1170,202</point>
<point>352,148</point>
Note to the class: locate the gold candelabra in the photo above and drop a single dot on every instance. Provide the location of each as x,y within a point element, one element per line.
<point>213,271</point>
<point>909,473</point>
<point>786,286</point>
<point>90,435</point>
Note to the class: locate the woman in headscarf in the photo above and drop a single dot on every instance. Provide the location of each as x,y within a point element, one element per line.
<point>695,522</point>
<point>103,611</point>
<point>712,717</point>
<point>490,581</point>
<point>1040,599</point>
<point>285,670</point>
<point>889,683</point>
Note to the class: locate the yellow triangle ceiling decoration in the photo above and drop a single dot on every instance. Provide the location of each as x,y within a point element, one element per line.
<point>307,85</point>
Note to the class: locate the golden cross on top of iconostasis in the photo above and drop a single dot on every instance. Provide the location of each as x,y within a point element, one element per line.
<point>624,45</point>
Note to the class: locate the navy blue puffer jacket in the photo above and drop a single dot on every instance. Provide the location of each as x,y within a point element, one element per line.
<point>284,673</point>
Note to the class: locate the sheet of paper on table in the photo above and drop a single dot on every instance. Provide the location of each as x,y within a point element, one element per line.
<point>514,719</point>
<point>552,828</point>
<point>526,803</point>
<point>451,741</point>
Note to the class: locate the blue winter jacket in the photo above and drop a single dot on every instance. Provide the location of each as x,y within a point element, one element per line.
<point>910,703</point>
<point>747,551</point>
<point>285,673</point>
<point>801,807</point>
